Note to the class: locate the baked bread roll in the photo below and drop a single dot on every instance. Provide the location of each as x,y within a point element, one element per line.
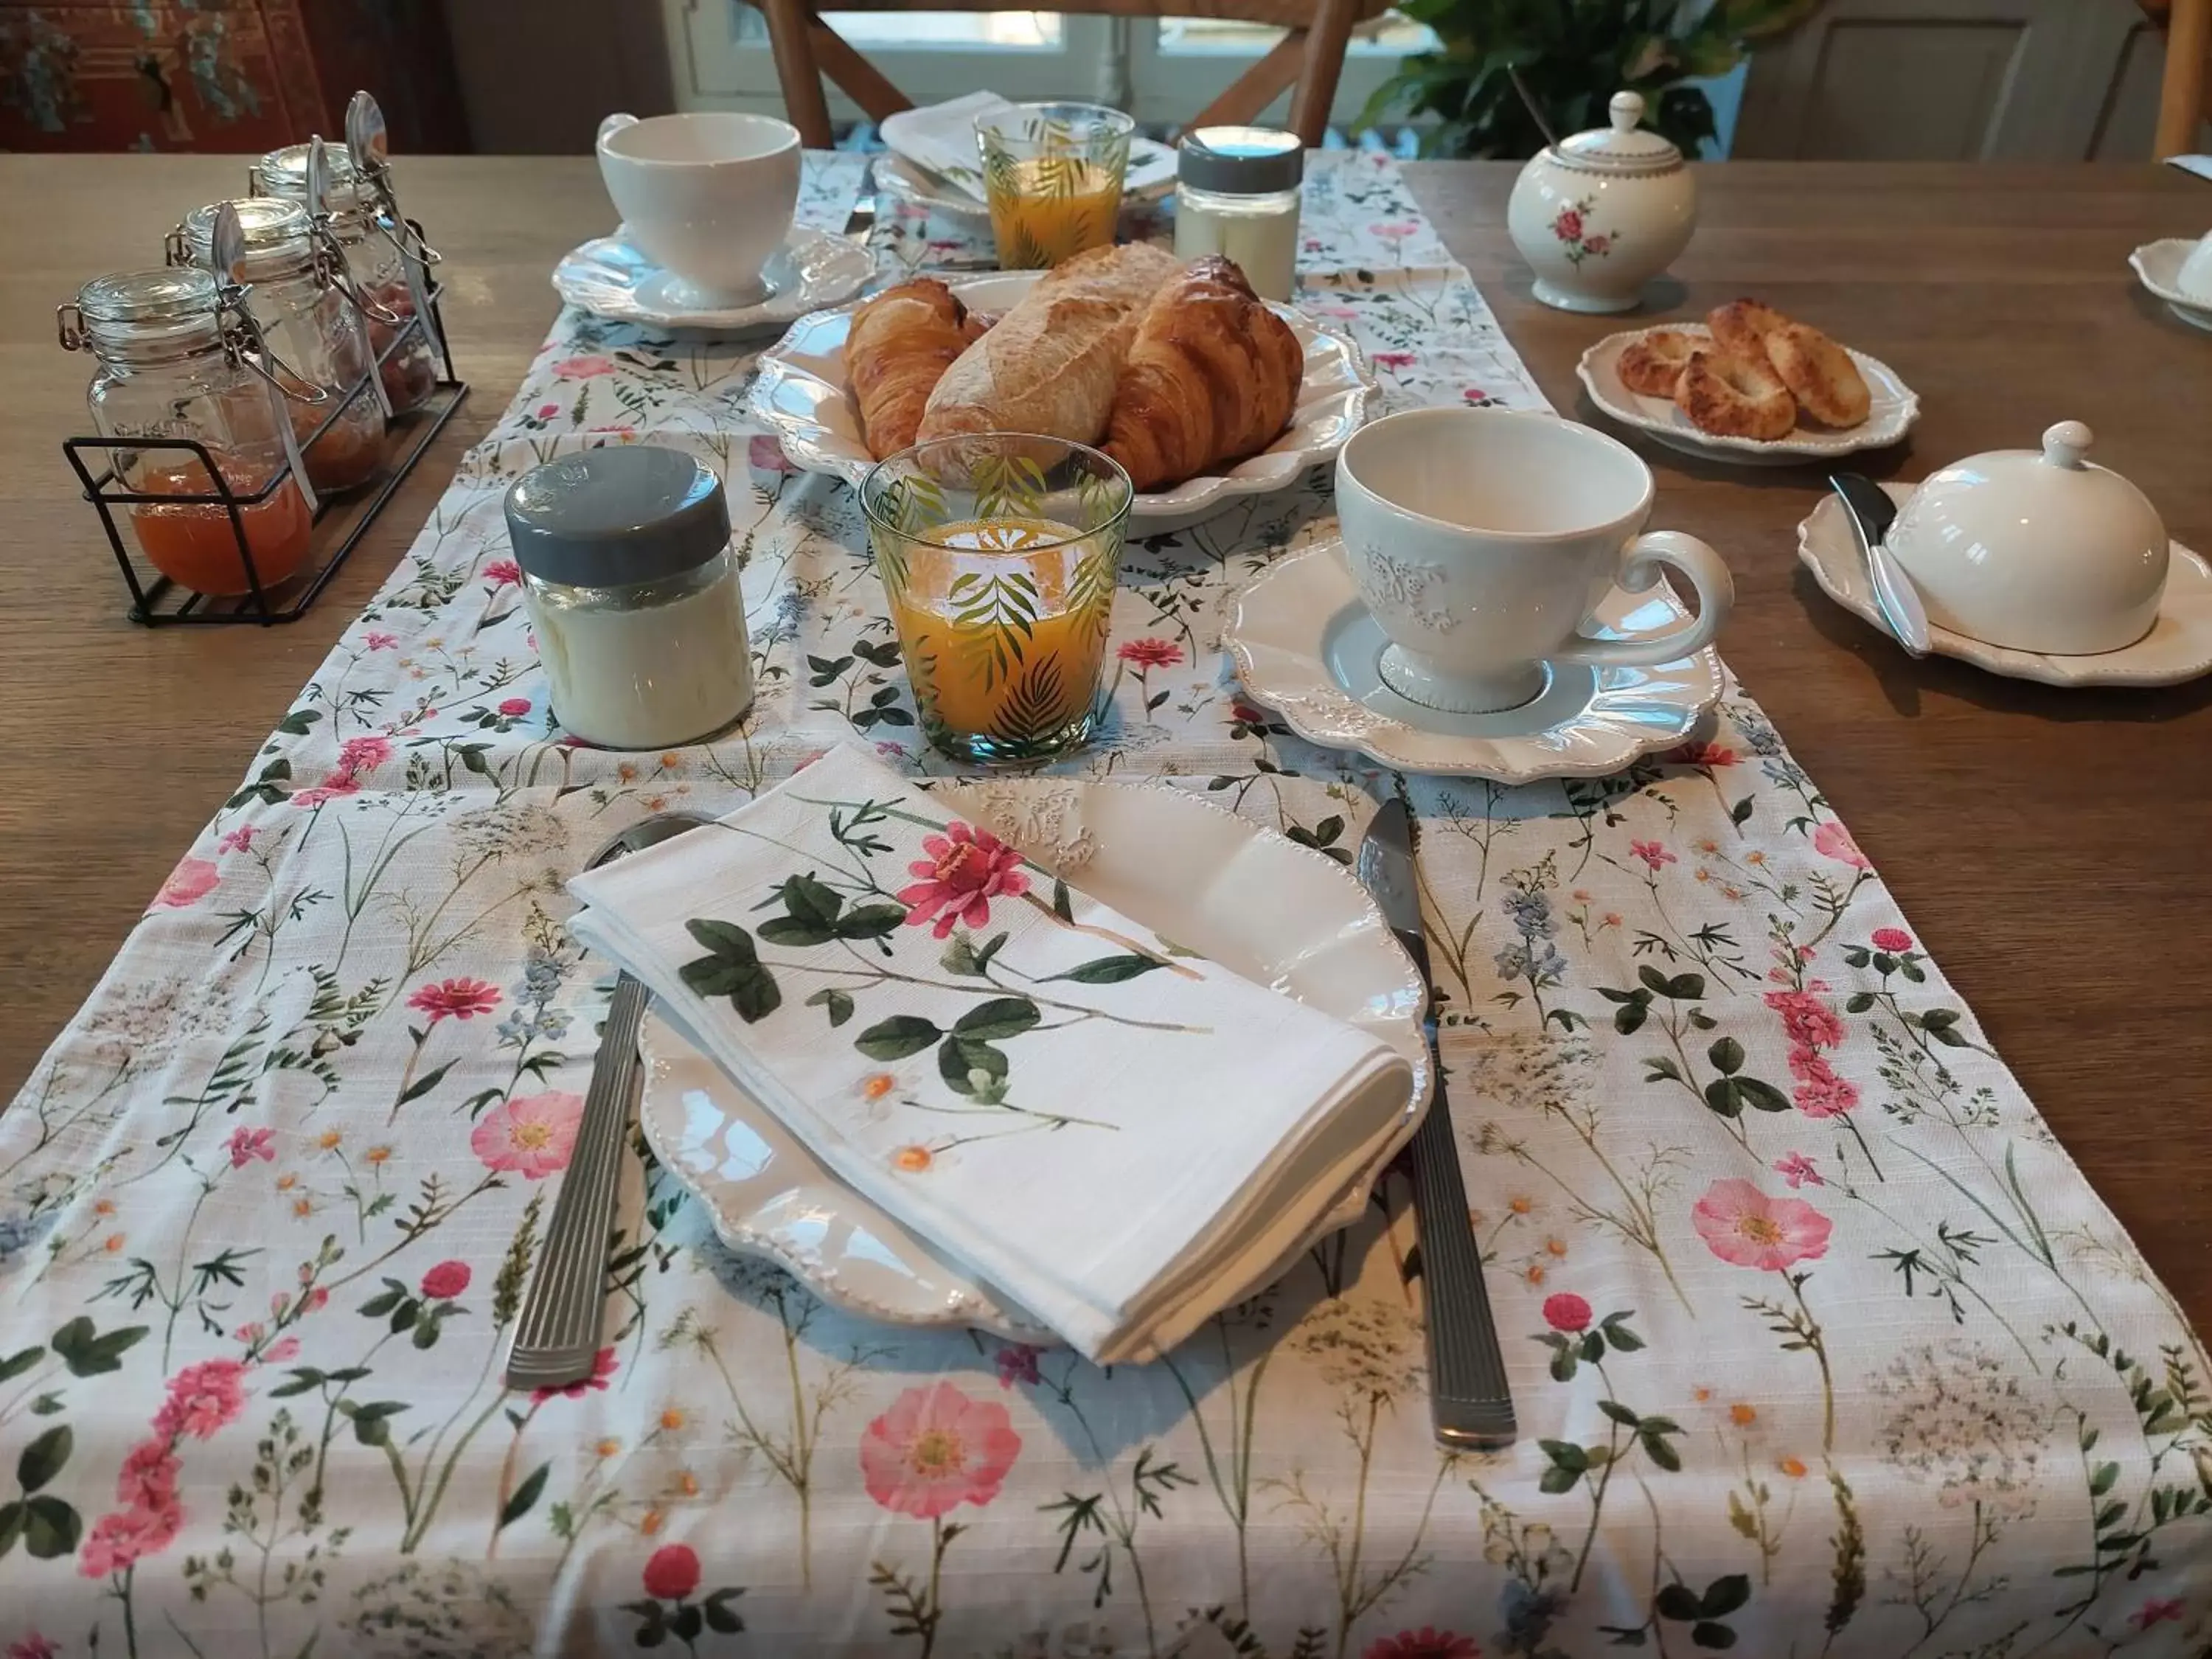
<point>1820,375</point>
<point>1742,326</point>
<point>1734,394</point>
<point>898,348</point>
<point>1211,378</point>
<point>1049,365</point>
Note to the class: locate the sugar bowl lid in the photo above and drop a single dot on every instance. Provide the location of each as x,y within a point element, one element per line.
<point>2043,551</point>
<point>1625,148</point>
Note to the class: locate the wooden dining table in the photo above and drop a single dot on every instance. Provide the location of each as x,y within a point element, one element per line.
<point>2050,844</point>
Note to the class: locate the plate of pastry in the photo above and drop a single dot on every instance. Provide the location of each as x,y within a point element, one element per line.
<point>1751,385</point>
<point>1202,391</point>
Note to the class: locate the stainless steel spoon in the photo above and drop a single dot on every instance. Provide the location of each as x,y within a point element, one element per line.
<point>557,1337</point>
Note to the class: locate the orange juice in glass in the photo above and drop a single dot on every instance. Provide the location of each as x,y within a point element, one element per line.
<point>999,553</point>
<point>1053,175</point>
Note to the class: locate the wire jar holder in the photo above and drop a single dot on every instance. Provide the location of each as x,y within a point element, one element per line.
<point>337,521</point>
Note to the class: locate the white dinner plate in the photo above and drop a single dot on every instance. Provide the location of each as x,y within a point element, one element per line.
<point>1283,916</point>
<point>802,394</point>
<point>917,186</point>
<point>1306,646</point>
<point>1896,407</point>
<point>1151,174</point>
<point>611,276</point>
<point>2177,647</point>
<point>2159,266</point>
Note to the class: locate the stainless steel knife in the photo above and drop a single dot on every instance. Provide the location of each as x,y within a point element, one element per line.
<point>1469,1403</point>
<point>1871,511</point>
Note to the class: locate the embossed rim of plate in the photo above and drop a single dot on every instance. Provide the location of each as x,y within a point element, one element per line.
<point>784,368</point>
<point>602,276</point>
<point>2178,249</point>
<point>1825,547</point>
<point>1886,425</point>
<point>1349,922</point>
<point>1286,613</point>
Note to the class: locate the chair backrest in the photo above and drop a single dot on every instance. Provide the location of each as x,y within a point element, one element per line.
<point>2182,101</point>
<point>1312,55</point>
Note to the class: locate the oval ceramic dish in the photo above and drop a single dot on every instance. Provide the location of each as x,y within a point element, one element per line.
<point>1896,408</point>
<point>1281,914</point>
<point>803,395</point>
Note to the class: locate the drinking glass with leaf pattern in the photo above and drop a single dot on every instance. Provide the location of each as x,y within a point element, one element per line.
<point>997,552</point>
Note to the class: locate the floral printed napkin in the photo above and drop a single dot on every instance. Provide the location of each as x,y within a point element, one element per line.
<point>1113,1132</point>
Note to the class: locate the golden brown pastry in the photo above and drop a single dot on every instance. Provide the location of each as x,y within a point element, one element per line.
<point>1742,326</point>
<point>1733,395</point>
<point>898,348</point>
<point>1819,374</point>
<point>1211,378</point>
<point>1048,366</point>
<point>1650,367</point>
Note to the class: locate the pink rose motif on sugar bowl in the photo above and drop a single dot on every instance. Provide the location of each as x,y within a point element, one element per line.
<point>1599,215</point>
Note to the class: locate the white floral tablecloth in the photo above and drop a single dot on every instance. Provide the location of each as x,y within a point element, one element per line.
<point>1820,1342</point>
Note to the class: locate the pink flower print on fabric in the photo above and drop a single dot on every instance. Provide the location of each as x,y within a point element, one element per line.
<point>935,1449</point>
<point>1742,1225</point>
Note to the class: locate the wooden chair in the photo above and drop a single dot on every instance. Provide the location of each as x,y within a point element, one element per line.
<point>2182,99</point>
<point>1312,55</point>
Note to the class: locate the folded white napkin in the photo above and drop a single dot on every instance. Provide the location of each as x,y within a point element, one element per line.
<point>942,139</point>
<point>1115,1135</point>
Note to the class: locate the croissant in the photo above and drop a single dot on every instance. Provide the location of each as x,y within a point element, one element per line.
<point>1211,378</point>
<point>898,348</point>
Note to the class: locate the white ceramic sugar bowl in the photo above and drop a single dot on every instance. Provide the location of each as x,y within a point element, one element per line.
<point>2044,552</point>
<point>1600,213</point>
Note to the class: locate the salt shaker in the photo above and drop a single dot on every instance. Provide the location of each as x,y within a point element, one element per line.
<point>631,586</point>
<point>1237,194</point>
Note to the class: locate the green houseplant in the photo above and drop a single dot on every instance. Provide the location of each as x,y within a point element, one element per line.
<point>1573,56</point>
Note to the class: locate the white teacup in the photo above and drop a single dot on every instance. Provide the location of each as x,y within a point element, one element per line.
<point>707,195</point>
<point>1482,540</point>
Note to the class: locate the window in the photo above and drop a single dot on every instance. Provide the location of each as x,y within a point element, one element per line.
<point>722,59</point>
<point>1162,70</point>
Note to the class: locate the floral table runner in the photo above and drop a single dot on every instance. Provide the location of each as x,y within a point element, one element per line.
<point>1821,1344</point>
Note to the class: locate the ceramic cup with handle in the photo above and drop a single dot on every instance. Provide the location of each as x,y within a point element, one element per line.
<point>1482,540</point>
<point>707,195</point>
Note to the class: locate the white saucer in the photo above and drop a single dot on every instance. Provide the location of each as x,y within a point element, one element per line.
<point>2159,266</point>
<point>1894,410</point>
<point>1306,646</point>
<point>2177,647</point>
<point>1168,858</point>
<point>611,276</point>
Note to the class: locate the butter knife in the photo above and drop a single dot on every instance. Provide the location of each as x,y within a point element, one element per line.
<point>1871,511</point>
<point>1469,1404</point>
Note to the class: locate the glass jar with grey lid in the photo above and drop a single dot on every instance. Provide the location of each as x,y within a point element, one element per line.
<point>631,586</point>
<point>1237,194</point>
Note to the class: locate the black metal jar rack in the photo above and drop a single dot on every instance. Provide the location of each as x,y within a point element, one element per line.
<point>340,521</point>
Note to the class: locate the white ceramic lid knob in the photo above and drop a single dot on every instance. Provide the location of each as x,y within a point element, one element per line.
<point>1627,109</point>
<point>2066,444</point>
